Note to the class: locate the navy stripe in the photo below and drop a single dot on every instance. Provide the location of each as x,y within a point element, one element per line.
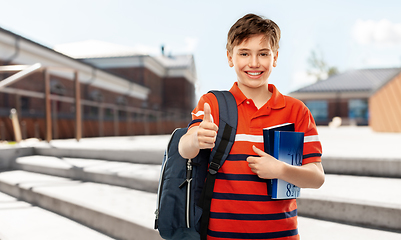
<point>239,177</point>
<point>239,157</point>
<point>311,155</point>
<point>241,197</point>
<point>253,217</point>
<point>194,121</point>
<point>267,235</point>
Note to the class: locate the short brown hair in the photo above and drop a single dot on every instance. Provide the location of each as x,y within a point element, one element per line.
<point>250,25</point>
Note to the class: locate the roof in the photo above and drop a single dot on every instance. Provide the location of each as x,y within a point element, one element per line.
<point>94,49</point>
<point>176,61</point>
<point>98,49</point>
<point>362,80</point>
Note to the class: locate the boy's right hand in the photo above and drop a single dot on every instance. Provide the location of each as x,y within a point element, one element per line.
<point>207,130</point>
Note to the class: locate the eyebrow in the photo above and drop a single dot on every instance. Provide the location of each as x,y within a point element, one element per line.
<point>261,50</point>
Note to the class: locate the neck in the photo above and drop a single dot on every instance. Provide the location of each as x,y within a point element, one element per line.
<point>259,95</point>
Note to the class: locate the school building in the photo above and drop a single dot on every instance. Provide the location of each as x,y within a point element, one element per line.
<point>360,97</point>
<point>113,91</point>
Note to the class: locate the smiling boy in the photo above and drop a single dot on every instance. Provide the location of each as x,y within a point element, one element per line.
<point>241,207</point>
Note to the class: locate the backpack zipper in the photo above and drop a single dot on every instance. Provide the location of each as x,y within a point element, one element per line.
<point>189,179</point>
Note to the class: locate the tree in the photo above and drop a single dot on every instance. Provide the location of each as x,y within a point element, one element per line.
<point>319,68</point>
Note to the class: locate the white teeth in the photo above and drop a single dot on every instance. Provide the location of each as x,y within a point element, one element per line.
<point>254,73</point>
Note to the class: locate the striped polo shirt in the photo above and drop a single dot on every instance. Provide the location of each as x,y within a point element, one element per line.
<point>241,207</point>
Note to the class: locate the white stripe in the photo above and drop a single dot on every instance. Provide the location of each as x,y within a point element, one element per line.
<point>201,113</point>
<point>248,138</point>
<point>313,138</point>
<point>259,139</point>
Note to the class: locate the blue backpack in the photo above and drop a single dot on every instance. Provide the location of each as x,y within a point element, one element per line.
<point>184,197</point>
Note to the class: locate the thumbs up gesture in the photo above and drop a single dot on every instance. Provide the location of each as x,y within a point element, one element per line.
<point>207,131</point>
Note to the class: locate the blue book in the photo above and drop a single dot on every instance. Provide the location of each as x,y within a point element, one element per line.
<point>268,140</point>
<point>288,147</point>
<point>268,135</point>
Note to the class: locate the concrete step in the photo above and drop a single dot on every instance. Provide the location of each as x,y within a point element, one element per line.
<point>345,151</point>
<point>314,229</point>
<point>360,151</point>
<point>125,213</point>
<point>365,201</point>
<point>143,177</point>
<point>137,149</point>
<point>362,166</point>
<point>20,220</point>
<point>119,212</point>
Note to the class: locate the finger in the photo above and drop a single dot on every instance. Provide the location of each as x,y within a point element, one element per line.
<point>258,151</point>
<point>251,160</point>
<point>207,113</point>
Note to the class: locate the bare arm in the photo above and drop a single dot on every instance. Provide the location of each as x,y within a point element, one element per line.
<point>199,137</point>
<point>310,175</point>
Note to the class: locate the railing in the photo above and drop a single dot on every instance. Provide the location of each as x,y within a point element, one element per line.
<point>25,70</point>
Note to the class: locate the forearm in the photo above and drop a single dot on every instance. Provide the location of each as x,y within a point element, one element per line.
<point>310,175</point>
<point>186,146</point>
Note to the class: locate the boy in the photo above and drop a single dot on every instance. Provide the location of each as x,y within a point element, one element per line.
<point>241,207</point>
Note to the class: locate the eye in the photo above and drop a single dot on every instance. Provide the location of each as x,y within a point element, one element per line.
<point>264,54</point>
<point>243,54</point>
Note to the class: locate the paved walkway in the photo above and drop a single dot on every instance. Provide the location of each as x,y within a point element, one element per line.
<point>359,142</point>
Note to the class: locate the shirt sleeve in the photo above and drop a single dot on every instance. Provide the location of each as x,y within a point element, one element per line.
<point>198,113</point>
<point>312,146</point>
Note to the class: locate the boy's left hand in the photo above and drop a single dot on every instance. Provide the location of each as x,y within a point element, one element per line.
<point>265,166</point>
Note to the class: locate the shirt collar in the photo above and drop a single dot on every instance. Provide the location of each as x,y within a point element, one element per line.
<point>276,101</point>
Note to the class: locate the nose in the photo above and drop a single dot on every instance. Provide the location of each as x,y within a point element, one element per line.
<point>254,62</point>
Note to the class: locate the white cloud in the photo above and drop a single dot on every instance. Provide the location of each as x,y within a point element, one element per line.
<point>190,44</point>
<point>382,33</point>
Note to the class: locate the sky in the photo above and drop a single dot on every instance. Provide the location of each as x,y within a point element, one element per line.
<point>347,34</point>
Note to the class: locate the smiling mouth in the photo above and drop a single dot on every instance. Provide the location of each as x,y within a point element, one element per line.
<point>254,73</point>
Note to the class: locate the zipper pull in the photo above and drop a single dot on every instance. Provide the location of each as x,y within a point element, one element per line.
<point>189,174</point>
<point>157,219</point>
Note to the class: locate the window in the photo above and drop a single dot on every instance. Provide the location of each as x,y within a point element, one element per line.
<point>56,87</point>
<point>358,109</point>
<point>25,104</point>
<point>122,115</point>
<point>109,114</point>
<point>318,109</point>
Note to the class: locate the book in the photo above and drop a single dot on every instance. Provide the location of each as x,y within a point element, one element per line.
<point>288,147</point>
<point>268,135</point>
<point>268,140</point>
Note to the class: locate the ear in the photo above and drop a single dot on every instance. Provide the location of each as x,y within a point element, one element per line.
<point>230,59</point>
<point>275,59</point>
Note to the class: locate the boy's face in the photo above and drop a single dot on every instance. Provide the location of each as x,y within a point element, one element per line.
<point>253,61</point>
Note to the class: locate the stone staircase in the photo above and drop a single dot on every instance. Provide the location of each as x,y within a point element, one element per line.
<point>112,190</point>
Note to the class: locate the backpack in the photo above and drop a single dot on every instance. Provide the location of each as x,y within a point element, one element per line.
<point>184,197</point>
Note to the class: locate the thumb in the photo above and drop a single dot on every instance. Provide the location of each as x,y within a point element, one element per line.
<point>258,151</point>
<point>207,117</point>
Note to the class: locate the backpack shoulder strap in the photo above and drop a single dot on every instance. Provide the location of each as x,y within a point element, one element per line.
<point>228,119</point>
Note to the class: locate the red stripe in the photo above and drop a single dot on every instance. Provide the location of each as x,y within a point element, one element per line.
<point>223,225</point>
<point>252,207</point>
<point>237,167</point>
<point>240,187</point>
